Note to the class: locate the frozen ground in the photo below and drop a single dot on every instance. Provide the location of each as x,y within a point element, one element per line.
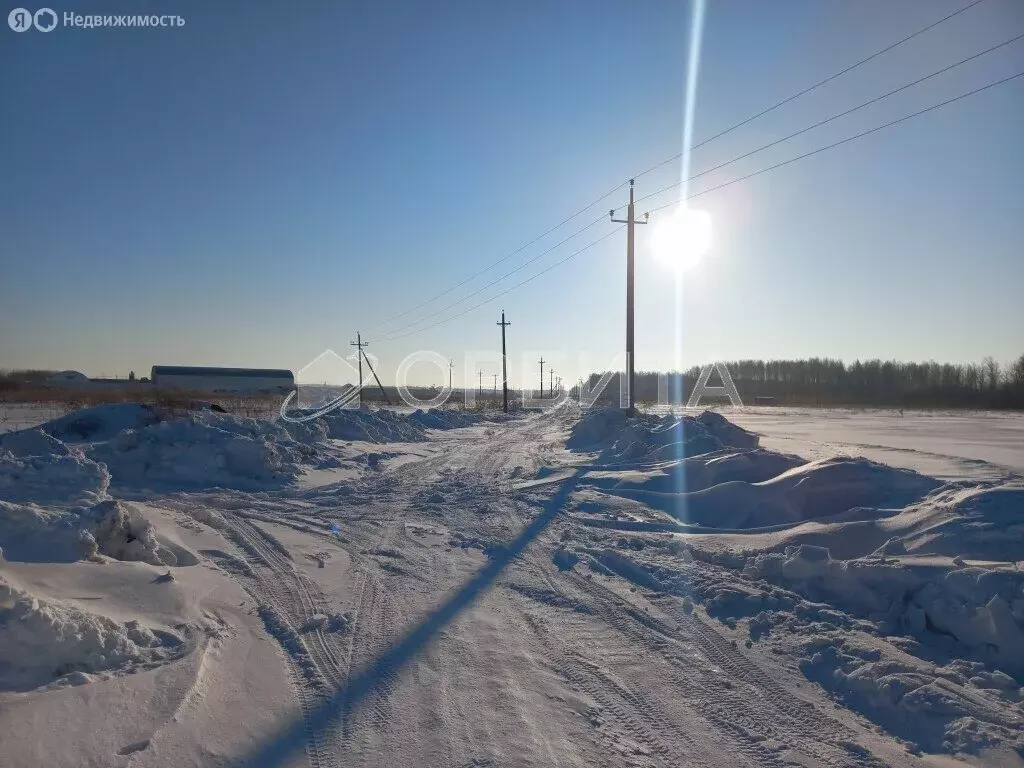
<point>949,445</point>
<point>552,590</point>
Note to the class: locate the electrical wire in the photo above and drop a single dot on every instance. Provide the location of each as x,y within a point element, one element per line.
<point>496,280</point>
<point>712,189</point>
<point>807,90</point>
<point>672,159</point>
<point>833,117</point>
<point>841,142</point>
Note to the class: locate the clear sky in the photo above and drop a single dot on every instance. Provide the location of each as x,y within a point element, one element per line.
<point>253,187</point>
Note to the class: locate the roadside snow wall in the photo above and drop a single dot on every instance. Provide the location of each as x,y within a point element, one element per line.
<point>44,641</point>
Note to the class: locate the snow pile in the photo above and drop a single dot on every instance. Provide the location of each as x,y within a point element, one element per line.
<point>110,528</point>
<point>205,450</point>
<point>974,523</point>
<point>43,641</point>
<point>380,426</point>
<point>62,477</point>
<point>438,418</point>
<point>120,532</point>
<point>619,437</point>
<point>102,422</point>
<point>812,491</point>
<point>32,442</point>
<point>730,434</point>
<point>695,473</point>
<point>977,610</point>
<point>957,708</point>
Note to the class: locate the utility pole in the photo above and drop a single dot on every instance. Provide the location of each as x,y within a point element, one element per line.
<point>504,364</point>
<point>359,343</point>
<point>480,384</point>
<point>542,375</point>
<point>630,222</point>
<point>495,385</point>
<point>551,382</point>
<point>451,365</point>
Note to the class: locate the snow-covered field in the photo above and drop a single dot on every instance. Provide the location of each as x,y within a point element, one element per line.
<point>560,589</point>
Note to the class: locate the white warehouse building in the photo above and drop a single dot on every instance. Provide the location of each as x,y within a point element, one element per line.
<point>204,379</point>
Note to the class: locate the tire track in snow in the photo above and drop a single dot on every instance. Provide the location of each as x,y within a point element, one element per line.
<point>295,601</point>
<point>781,716</point>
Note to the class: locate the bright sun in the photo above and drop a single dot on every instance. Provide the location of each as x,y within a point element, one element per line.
<point>683,238</point>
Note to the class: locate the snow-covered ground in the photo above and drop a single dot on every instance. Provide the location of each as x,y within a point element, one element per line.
<point>949,445</point>
<point>565,589</point>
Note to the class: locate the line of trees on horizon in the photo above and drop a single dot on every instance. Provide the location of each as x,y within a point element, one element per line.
<point>819,381</point>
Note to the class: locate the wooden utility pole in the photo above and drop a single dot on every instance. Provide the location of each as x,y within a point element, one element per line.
<point>630,222</point>
<point>495,384</point>
<point>359,344</point>
<point>542,375</point>
<point>504,364</point>
<point>551,382</point>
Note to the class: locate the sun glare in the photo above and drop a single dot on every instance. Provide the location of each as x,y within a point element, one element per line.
<point>682,239</point>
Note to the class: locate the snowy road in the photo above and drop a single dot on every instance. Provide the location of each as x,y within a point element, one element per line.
<point>529,665</point>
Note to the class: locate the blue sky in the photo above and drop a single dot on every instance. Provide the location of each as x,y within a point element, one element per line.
<point>252,188</point>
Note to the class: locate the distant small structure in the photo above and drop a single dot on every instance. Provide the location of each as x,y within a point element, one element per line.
<point>210,379</point>
<point>763,400</point>
<point>78,380</point>
<point>68,379</point>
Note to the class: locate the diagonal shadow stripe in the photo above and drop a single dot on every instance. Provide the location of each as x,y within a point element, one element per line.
<point>293,736</point>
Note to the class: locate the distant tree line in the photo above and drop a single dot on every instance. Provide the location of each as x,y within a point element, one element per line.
<point>828,382</point>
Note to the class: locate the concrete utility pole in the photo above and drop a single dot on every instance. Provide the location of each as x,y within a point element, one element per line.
<point>359,343</point>
<point>504,363</point>
<point>542,375</point>
<point>495,384</point>
<point>480,384</point>
<point>630,222</point>
<point>551,382</point>
<point>451,365</point>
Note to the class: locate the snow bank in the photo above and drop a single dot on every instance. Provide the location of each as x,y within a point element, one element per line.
<point>439,418</point>
<point>119,531</point>
<point>975,523</point>
<point>44,641</point>
<point>206,450</point>
<point>619,437</point>
<point>60,478</point>
<point>935,708</point>
<point>814,491</point>
<point>380,426</point>
<point>102,422</point>
<point>110,528</point>
<point>980,610</point>
<point>32,442</point>
<point>695,473</point>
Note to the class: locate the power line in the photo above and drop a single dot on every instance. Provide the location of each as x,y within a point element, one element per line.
<point>712,189</point>
<point>507,290</point>
<point>807,90</point>
<point>400,332</point>
<point>842,141</point>
<point>502,260</point>
<point>539,256</point>
<point>652,168</point>
<point>834,117</point>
